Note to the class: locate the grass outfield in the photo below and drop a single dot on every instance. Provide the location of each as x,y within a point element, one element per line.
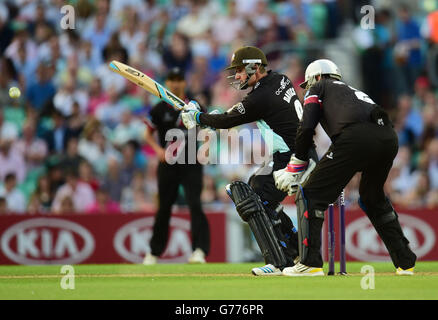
<point>212,282</point>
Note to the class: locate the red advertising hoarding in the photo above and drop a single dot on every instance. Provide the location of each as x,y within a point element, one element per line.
<point>94,238</point>
<point>124,238</point>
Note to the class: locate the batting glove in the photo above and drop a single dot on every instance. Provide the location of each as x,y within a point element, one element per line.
<point>190,115</point>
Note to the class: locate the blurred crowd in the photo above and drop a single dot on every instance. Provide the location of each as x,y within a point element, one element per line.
<point>73,141</point>
<point>398,67</point>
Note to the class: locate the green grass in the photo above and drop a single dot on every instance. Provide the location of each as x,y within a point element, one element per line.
<point>211,281</point>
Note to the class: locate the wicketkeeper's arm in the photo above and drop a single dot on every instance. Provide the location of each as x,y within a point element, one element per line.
<point>311,116</point>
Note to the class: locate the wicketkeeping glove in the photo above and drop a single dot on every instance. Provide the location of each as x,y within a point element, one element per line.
<point>295,173</point>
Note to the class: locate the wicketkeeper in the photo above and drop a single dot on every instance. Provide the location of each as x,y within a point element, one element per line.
<point>363,140</point>
<point>273,104</point>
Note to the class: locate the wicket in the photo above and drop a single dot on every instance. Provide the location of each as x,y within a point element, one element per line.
<point>332,240</point>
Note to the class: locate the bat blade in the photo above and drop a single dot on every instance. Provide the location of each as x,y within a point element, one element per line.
<point>139,78</point>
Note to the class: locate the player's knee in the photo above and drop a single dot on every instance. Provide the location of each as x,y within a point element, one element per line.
<point>255,183</point>
<point>252,181</point>
<point>376,217</point>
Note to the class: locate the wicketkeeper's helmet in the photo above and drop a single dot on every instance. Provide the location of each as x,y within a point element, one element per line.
<point>319,68</point>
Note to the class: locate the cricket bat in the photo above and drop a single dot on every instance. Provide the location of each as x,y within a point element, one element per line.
<point>150,85</point>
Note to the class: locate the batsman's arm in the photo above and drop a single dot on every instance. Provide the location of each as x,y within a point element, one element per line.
<point>239,114</point>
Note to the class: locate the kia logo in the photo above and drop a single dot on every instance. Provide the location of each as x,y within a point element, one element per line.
<point>363,243</point>
<point>132,240</point>
<point>47,241</point>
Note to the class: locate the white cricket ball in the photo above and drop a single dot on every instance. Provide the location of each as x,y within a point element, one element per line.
<point>14,92</point>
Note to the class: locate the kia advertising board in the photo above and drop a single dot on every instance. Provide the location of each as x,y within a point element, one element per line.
<point>124,238</point>
<point>121,238</point>
<point>47,240</point>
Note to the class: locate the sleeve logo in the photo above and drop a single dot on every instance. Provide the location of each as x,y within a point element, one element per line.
<point>239,107</point>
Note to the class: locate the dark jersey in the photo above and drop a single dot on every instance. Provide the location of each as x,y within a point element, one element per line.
<point>335,106</point>
<point>273,103</point>
<point>163,118</point>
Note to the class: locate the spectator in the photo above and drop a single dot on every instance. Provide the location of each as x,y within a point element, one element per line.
<point>87,175</point>
<point>8,130</point>
<point>58,135</point>
<point>41,91</point>
<point>8,77</point>
<point>71,159</point>
<point>262,18</point>
<point>55,174</point>
<point>33,149</point>
<point>3,206</point>
<point>209,194</point>
<point>68,95</point>
<point>132,161</point>
<point>89,56</point>
<point>409,122</point>
<point>231,21</point>
<point>6,33</point>
<point>80,74</point>
<point>80,192</point>
<point>135,196</point>
<point>404,168</point>
<point>196,23</point>
<point>432,153</point>
<point>99,32</point>
<point>407,50</point>
<point>21,38</point>
<point>97,96</point>
<point>129,128</point>
<point>76,121</point>
<point>114,47</point>
<point>111,111</point>
<point>15,199</point>
<point>95,148</point>
<point>417,196</point>
<point>130,34</point>
<point>41,199</point>
<point>24,65</point>
<point>178,53</point>
<point>217,61</point>
<point>178,9</point>
<point>67,206</point>
<point>113,180</point>
<point>421,89</point>
<point>103,204</point>
<point>11,161</point>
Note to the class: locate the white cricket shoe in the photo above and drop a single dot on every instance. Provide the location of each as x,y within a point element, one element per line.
<point>267,270</point>
<point>404,272</point>
<point>301,270</point>
<point>150,259</point>
<point>198,256</point>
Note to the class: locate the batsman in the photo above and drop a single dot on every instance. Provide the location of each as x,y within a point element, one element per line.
<point>363,140</point>
<point>275,107</point>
